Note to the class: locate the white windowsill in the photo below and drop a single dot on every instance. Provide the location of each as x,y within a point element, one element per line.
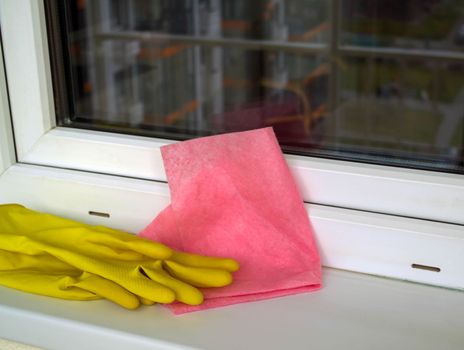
<point>352,311</point>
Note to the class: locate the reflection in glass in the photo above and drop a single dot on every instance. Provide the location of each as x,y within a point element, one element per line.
<point>424,24</point>
<point>363,80</point>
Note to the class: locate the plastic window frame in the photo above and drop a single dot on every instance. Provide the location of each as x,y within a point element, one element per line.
<point>7,150</point>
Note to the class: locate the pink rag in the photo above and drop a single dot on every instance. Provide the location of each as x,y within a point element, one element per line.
<point>233,195</point>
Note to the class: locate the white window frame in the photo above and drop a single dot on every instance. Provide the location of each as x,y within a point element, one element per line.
<point>358,210</point>
<point>7,152</point>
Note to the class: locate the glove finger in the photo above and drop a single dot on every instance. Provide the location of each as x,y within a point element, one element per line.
<point>98,241</point>
<point>140,284</point>
<point>146,301</point>
<point>104,288</point>
<point>195,260</point>
<point>122,273</point>
<point>123,241</point>
<point>198,276</point>
<point>185,293</point>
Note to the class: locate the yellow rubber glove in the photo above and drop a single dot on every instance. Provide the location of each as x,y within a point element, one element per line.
<point>49,276</point>
<point>129,261</point>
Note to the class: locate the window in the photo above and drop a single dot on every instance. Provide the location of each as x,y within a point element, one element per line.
<point>340,80</point>
<point>366,99</point>
<point>349,79</point>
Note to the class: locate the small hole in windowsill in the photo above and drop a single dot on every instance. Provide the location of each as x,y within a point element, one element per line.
<point>426,267</point>
<point>100,214</point>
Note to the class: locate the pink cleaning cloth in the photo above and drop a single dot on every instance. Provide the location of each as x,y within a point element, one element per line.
<point>233,195</point>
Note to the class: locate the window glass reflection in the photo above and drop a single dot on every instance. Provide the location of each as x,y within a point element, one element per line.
<point>363,80</point>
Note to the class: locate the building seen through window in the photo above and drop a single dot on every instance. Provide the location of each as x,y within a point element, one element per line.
<point>364,80</point>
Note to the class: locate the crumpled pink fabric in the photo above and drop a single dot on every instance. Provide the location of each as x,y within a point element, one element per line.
<point>233,195</point>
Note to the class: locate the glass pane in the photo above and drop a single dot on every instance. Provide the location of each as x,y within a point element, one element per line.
<point>362,80</point>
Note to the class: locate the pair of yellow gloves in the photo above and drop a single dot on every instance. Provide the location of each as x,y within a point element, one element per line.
<point>53,256</point>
